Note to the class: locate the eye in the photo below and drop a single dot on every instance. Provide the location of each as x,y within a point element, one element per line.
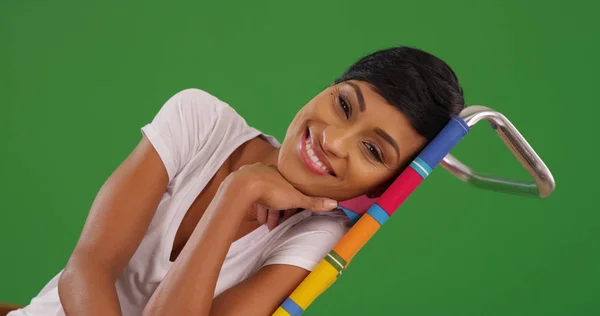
<point>374,152</point>
<point>345,106</point>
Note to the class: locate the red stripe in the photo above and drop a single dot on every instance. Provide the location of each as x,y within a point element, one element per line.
<point>399,191</point>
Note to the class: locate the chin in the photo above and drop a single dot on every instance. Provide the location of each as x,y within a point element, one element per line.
<point>301,182</point>
<point>310,187</point>
<point>296,169</point>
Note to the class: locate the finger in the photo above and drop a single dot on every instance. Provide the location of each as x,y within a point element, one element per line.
<point>261,213</point>
<point>273,219</point>
<point>252,210</point>
<point>288,213</point>
<point>316,204</point>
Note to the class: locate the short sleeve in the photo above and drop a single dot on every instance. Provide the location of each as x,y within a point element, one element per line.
<point>308,242</point>
<point>181,127</point>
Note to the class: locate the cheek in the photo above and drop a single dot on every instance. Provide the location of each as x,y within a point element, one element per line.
<point>320,108</point>
<point>294,124</point>
<point>363,177</point>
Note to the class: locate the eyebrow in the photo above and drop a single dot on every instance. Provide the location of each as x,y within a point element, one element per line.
<point>362,107</point>
<point>361,100</point>
<point>389,139</point>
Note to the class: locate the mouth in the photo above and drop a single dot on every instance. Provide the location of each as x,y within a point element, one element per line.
<point>313,155</point>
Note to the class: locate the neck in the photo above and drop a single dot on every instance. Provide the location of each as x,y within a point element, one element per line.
<point>256,150</point>
<point>271,156</point>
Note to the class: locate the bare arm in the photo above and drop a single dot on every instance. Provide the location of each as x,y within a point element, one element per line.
<point>260,294</point>
<point>118,219</point>
<point>189,286</point>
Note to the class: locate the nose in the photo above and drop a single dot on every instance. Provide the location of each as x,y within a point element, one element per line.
<point>335,141</point>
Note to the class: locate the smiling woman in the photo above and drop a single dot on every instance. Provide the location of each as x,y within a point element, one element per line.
<point>170,232</point>
<point>354,136</point>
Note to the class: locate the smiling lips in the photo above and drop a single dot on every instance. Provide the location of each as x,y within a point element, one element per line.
<point>313,156</point>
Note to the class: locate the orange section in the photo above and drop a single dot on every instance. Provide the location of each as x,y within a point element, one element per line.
<point>357,237</point>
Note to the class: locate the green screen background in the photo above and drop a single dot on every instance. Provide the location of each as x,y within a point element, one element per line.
<point>77,81</point>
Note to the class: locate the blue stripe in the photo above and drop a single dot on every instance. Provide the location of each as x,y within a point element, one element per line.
<point>378,214</point>
<point>351,215</point>
<point>291,307</point>
<point>441,145</point>
<point>421,167</point>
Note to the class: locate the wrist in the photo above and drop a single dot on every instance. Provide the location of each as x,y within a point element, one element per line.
<point>243,187</point>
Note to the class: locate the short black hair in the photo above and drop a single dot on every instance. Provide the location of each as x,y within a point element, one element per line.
<point>420,85</point>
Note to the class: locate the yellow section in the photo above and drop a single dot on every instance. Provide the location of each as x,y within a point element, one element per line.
<point>322,276</point>
<point>281,312</point>
<point>357,237</point>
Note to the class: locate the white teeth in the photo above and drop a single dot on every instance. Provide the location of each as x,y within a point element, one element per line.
<point>313,157</point>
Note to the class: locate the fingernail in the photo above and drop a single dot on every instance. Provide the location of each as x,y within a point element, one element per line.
<point>331,204</point>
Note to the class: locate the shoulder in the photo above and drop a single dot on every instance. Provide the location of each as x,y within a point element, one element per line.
<point>193,99</point>
<point>198,114</point>
<point>192,123</point>
<point>192,108</point>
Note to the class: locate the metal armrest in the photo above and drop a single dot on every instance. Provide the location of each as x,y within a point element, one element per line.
<point>543,182</point>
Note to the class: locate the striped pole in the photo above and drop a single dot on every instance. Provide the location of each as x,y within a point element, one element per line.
<point>332,266</point>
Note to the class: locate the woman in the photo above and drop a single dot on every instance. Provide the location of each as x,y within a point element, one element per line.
<point>179,228</point>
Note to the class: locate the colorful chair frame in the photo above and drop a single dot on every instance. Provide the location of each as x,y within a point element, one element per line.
<point>436,152</point>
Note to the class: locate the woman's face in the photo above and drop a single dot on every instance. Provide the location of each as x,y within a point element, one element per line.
<point>346,142</point>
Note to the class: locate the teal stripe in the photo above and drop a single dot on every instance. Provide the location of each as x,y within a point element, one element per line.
<point>421,167</point>
<point>419,170</point>
<point>424,164</point>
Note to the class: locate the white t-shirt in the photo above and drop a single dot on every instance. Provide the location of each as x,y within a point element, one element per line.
<point>194,133</point>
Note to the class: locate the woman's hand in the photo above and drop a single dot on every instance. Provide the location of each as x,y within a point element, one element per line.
<point>271,193</point>
<point>194,274</point>
<point>271,217</point>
